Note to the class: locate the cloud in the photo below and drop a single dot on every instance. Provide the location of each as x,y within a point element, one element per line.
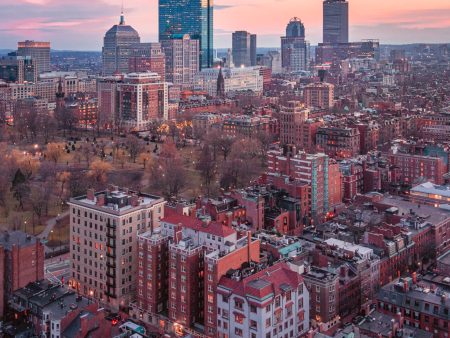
<point>221,7</point>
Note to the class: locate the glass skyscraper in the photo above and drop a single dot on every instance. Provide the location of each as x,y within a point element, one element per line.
<point>193,17</point>
<point>335,21</point>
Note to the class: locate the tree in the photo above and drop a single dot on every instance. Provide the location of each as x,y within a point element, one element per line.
<point>40,198</point>
<point>121,157</point>
<point>98,171</point>
<point>48,126</point>
<point>144,158</point>
<point>66,119</point>
<point>20,188</point>
<point>168,173</point>
<point>207,167</point>
<point>86,152</point>
<point>243,166</point>
<point>54,151</point>
<point>63,178</point>
<point>225,145</point>
<point>134,146</point>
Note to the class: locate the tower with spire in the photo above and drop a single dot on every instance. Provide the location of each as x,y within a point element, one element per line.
<point>220,85</point>
<point>117,40</point>
<point>60,103</point>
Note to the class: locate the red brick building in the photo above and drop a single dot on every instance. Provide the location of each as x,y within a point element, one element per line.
<point>413,167</point>
<point>21,262</point>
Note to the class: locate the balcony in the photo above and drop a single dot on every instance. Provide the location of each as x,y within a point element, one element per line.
<point>110,283</point>
<point>110,254</point>
<point>110,273</point>
<point>110,234</point>
<point>111,244</point>
<point>110,264</point>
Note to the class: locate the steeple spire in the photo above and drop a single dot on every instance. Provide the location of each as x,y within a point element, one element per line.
<point>122,17</point>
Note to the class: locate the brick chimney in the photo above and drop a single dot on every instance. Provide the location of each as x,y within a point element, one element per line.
<point>101,200</point>
<point>249,242</point>
<point>414,277</point>
<point>90,194</point>
<point>134,200</point>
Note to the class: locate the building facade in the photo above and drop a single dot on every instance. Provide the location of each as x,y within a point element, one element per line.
<point>294,47</point>
<point>273,302</point>
<point>116,43</point>
<point>335,21</point>
<point>194,18</point>
<point>143,97</point>
<point>38,51</point>
<point>182,59</point>
<point>319,95</point>
<point>244,49</point>
<point>103,242</point>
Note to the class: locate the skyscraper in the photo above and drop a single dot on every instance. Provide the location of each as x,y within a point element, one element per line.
<point>244,49</point>
<point>39,51</point>
<point>335,21</point>
<point>116,38</point>
<point>182,59</point>
<point>294,48</point>
<point>193,17</point>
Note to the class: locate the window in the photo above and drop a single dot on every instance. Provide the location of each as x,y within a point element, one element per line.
<point>238,332</point>
<point>238,318</point>
<point>268,308</point>
<point>252,308</point>
<point>268,322</point>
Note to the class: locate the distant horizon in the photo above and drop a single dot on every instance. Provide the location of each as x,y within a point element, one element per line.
<point>225,48</point>
<point>80,25</point>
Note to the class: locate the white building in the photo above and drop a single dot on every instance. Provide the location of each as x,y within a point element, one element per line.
<point>103,241</point>
<point>273,303</point>
<point>235,80</point>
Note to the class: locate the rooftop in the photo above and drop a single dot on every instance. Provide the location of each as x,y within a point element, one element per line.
<point>271,281</point>
<point>213,228</point>
<point>428,213</point>
<point>8,239</point>
<point>116,200</point>
<point>430,188</point>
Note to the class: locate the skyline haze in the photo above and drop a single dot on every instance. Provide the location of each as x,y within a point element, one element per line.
<point>80,25</point>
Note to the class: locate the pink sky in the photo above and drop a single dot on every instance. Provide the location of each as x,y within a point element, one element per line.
<point>81,24</point>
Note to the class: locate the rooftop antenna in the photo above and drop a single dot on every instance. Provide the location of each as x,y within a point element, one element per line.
<point>122,17</point>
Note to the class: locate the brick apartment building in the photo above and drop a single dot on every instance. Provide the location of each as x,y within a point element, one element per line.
<point>342,142</point>
<point>423,305</point>
<point>21,262</point>
<point>180,265</point>
<point>323,287</point>
<point>273,302</point>
<point>414,167</point>
<point>103,241</point>
<point>321,173</point>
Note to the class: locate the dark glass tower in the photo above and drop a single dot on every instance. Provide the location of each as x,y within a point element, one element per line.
<point>335,21</point>
<point>193,17</point>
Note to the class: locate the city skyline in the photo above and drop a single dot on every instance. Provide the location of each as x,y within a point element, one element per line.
<point>80,25</point>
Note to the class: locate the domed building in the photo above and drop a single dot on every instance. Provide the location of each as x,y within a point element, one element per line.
<point>294,48</point>
<point>295,28</point>
<point>116,46</point>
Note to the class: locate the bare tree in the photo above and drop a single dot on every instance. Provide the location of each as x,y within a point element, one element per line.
<point>207,167</point>
<point>66,119</point>
<point>54,151</point>
<point>134,146</point>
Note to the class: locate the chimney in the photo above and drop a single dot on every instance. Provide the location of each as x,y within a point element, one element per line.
<point>90,194</point>
<point>84,324</point>
<point>101,200</point>
<point>343,271</point>
<point>414,277</point>
<point>134,200</point>
<point>229,219</point>
<point>405,286</point>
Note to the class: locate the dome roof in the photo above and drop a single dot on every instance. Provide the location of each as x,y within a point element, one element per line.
<point>295,28</point>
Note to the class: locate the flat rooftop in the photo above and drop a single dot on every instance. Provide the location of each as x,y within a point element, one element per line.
<point>116,200</point>
<point>428,213</point>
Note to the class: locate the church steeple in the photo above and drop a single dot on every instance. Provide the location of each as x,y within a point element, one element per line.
<point>220,85</point>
